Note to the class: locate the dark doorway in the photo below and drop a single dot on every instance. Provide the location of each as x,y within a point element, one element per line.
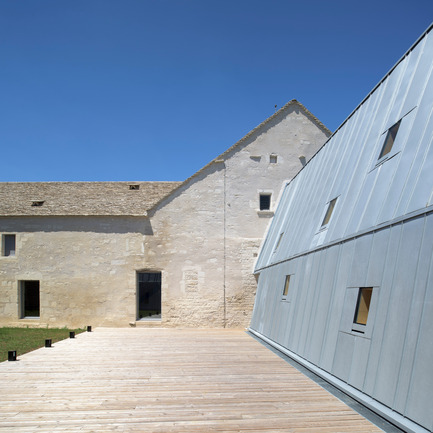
<point>30,305</point>
<point>149,295</point>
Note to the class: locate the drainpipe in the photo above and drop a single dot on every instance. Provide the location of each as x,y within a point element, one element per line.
<point>224,243</point>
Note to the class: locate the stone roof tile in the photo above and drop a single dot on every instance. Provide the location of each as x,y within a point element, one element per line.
<point>81,198</point>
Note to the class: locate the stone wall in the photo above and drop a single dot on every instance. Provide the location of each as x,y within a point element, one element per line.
<point>85,265</point>
<point>204,239</point>
<point>206,236</point>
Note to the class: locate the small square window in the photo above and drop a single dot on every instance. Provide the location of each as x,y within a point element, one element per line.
<point>8,245</point>
<point>363,305</point>
<point>273,159</point>
<point>329,212</point>
<point>286,286</point>
<point>389,140</point>
<point>265,201</point>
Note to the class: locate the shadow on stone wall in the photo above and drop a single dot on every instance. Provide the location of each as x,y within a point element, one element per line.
<point>77,224</point>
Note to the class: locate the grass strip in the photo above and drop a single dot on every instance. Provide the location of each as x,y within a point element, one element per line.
<point>25,340</point>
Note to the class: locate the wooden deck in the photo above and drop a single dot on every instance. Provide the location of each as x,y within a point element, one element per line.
<point>165,380</point>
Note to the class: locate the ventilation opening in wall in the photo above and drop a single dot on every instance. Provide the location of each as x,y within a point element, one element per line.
<point>29,299</point>
<point>265,201</point>
<point>273,158</point>
<point>134,187</point>
<point>38,203</point>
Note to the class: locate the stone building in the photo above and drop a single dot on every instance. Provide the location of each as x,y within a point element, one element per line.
<point>168,253</point>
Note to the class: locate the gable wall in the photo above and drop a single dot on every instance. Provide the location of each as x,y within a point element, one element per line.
<point>203,237</point>
<point>206,236</point>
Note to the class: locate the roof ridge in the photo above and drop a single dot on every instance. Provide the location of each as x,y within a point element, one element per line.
<point>244,138</point>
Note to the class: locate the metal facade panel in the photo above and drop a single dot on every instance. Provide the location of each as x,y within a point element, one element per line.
<point>343,356</point>
<point>379,235</point>
<point>398,312</point>
<point>421,134</point>
<point>305,298</point>
<point>423,70</point>
<point>342,271</point>
<point>414,321</point>
<point>358,366</point>
<point>386,285</point>
<point>345,166</point>
<point>419,399</point>
<point>377,260</point>
<point>322,302</point>
<point>361,258</point>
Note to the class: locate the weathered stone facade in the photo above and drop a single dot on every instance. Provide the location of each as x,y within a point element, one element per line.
<point>86,242</point>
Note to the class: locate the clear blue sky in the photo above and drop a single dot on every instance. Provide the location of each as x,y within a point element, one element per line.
<point>154,89</point>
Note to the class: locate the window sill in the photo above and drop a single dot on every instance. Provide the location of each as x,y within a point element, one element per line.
<point>265,213</point>
<point>384,159</point>
<point>358,328</point>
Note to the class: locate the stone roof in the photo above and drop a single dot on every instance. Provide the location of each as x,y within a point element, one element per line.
<point>81,198</point>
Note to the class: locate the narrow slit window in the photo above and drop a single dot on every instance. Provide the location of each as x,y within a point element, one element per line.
<point>8,245</point>
<point>37,203</point>
<point>286,286</point>
<point>265,201</point>
<point>329,212</point>
<point>279,241</point>
<point>134,187</point>
<point>389,140</point>
<point>363,305</point>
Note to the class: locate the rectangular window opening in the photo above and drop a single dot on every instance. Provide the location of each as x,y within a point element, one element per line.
<point>148,295</point>
<point>363,305</point>
<point>273,158</point>
<point>329,212</point>
<point>389,140</point>
<point>37,203</point>
<point>134,187</point>
<point>286,286</point>
<point>265,201</point>
<point>8,245</point>
<point>29,299</point>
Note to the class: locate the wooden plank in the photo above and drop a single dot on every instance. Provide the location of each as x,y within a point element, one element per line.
<point>165,380</point>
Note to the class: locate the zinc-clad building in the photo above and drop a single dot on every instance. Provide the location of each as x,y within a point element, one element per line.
<point>345,272</point>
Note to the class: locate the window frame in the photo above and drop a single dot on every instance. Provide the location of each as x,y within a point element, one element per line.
<point>22,299</point>
<point>265,194</point>
<point>3,245</point>
<point>385,154</point>
<point>358,326</point>
<point>286,288</point>
<point>328,213</point>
